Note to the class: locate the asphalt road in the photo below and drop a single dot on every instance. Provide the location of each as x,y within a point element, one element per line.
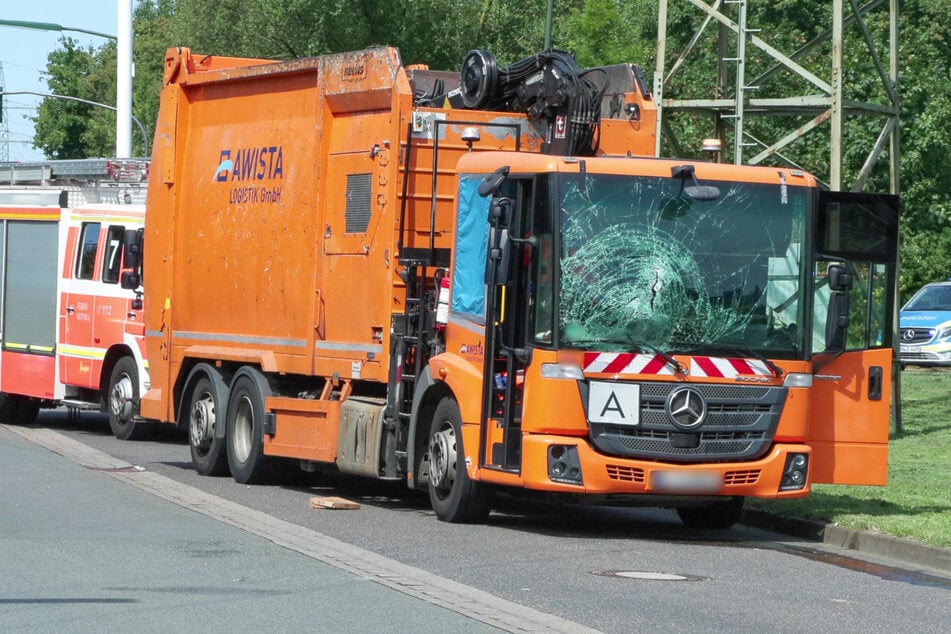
<point>610,569</point>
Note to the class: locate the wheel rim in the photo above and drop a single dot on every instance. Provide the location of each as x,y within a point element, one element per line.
<point>442,458</point>
<point>243,428</point>
<point>120,399</point>
<point>201,425</point>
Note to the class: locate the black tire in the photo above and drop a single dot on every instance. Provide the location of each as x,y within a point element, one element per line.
<point>720,514</point>
<point>454,497</point>
<point>245,434</point>
<point>208,451</point>
<point>18,410</point>
<point>122,401</point>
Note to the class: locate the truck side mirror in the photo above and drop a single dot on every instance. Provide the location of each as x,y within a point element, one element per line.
<point>132,242</point>
<point>500,248</point>
<point>840,279</point>
<point>837,319</point>
<point>130,280</point>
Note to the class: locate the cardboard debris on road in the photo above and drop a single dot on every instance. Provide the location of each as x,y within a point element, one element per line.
<point>332,503</point>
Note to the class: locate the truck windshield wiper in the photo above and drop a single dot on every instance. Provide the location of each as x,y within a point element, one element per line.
<point>643,345</point>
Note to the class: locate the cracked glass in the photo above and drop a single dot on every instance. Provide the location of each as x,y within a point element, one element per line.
<point>643,266</point>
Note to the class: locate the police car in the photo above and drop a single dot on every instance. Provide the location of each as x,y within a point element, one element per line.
<point>924,331</point>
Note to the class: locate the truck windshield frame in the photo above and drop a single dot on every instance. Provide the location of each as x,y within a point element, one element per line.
<point>639,266</point>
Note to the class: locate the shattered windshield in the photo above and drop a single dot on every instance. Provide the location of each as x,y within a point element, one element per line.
<point>645,267</point>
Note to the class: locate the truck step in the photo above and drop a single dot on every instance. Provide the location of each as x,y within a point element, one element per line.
<point>84,405</point>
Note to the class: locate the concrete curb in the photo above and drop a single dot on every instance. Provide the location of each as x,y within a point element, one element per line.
<point>904,550</point>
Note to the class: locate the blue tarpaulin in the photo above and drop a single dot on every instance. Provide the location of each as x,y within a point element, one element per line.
<point>468,274</point>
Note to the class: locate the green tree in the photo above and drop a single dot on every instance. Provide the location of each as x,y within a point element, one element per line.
<point>69,129</point>
<point>439,33</point>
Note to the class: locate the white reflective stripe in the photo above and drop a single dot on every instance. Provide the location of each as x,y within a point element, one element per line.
<point>215,336</point>
<point>640,361</point>
<point>95,289</point>
<point>600,362</point>
<point>346,346</point>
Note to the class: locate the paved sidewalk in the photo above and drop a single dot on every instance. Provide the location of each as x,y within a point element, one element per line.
<point>82,550</point>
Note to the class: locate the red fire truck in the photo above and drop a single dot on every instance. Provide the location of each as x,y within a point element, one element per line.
<point>70,335</point>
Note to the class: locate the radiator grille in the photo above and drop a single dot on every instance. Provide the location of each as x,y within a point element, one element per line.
<point>625,474</point>
<point>739,425</point>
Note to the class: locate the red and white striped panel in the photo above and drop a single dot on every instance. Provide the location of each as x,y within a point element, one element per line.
<point>625,363</point>
<point>727,368</point>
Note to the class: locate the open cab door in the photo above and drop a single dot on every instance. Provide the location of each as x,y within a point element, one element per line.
<point>854,295</point>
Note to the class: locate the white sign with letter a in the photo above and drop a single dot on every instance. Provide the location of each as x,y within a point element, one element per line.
<point>614,403</point>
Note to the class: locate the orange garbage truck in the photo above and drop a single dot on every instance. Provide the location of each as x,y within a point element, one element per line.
<point>482,282</point>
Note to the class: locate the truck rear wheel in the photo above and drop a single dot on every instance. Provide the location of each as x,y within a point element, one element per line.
<point>719,514</point>
<point>454,497</point>
<point>123,401</point>
<point>245,434</point>
<point>208,452</point>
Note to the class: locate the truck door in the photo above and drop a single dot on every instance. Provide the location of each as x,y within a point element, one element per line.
<point>854,295</point>
<point>113,305</point>
<point>510,256</point>
<point>78,306</point>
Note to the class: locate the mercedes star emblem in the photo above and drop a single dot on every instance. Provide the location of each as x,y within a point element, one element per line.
<point>686,408</point>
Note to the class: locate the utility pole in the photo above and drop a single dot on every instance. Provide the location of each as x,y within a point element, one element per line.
<point>4,129</point>
<point>124,71</point>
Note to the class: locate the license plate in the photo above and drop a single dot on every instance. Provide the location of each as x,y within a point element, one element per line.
<point>686,482</point>
<point>614,403</point>
<point>909,349</point>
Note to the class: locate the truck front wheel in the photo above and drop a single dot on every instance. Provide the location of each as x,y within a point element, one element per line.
<point>453,495</point>
<point>719,514</point>
<point>123,401</point>
<point>245,435</point>
<point>208,451</point>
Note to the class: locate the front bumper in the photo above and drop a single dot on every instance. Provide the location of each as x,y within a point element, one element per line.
<point>935,354</point>
<point>603,475</point>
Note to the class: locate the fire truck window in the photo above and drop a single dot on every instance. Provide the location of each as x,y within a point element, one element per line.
<point>112,262</point>
<point>86,263</point>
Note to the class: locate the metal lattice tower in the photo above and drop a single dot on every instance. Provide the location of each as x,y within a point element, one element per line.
<point>4,117</point>
<point>795,92</point>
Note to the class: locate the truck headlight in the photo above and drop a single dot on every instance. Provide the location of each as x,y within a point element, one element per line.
<point>794,474</point>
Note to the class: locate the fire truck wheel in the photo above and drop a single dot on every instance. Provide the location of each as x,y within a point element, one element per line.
<point>208,452</point>
<point>123,401</point>
<point>454,497</point>
<point>720,514</point>
<point>245,434</point>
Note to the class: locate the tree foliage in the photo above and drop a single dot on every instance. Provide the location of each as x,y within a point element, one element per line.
<point>68,129</point>
<point>440,32</point>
